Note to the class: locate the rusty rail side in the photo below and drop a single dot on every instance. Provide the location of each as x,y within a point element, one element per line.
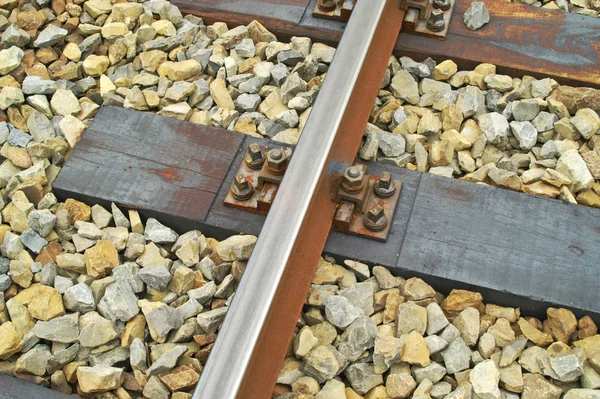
<point>252,343</point>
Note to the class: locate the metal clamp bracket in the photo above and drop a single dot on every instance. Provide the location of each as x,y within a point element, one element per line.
<point>423,17</point>
<point>366,203</point>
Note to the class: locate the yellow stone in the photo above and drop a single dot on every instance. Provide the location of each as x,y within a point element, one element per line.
<point>113,30</point>
<point>533,334</point>
<point>219,92</point>
<point>485,69</point>
<point>379,392</point>
<point>180,379</point>
<point>136,222</point>
<point>101,258</point>
<point>95,65</point>
<point>415,349</point>
<point>540,188</point>
<point>164,27</point>
<point>20,317</point>
<point>459,300</point>
<point>152,59</point>
<point>77,210</point>
<point>180,70</point>
<point>444,70</point>
<point>272,105</point>
<point>589,198</point>
<point>133,329</point>
<point>43,302</point>
<point>10,343</point>
<point>326,273</point>
<point>4,228</point>
<point>561,323</point>
<point>72,52</point>
<point>106,85</point>
<point>351,394</point>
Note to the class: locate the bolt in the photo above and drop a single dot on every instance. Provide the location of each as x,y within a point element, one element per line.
<point>375,218</point>
<point>436,22</point>
<point>276,161</point>
<point>353,179</point>
<point>241,189</point>
<point>443,5</point>
<point>327,5</point>
<point>384,187</point>
<point>254,157</point>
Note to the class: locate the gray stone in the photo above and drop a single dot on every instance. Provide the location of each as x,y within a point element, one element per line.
<point>436,320</point>
<point>476,15</point>
<point>156,277</point>
<point>61,284</point>
<point>117,357</point>
<point>79,298</point>
<point>167,361</point>
<point>5,282</point>
<point>485,378</point>
<point>49,273</point>
<point>155,389</point>
<point>40,126</point>
<point>357,338</point>
<point>578,393</point>
<point>11,246</point>
<point>340,312</point>
<point>511,352</point>
<point>247,102</point>
<point>435,344</point>
<point>433,372</point>
<point>10,59</point>
<point>457,356</point>
<point>95,330</point>
<point>361,296</point>
<point>189,309</point>
<point>362,377</point>
<point>17,138</point>
<point>33,241</point>
<point>138,355</point>
<point>61,358</point>
<point>525,110</point>
<point>416,68</point>
<point>63,329</point>
<point>293,85</point>
<point>210,321</point>
<point>544,121</point>
<point>159,233</point>
<point>204,293</point>
<point>15,37</point>
<point>121,301</point>
<point>279,73</point>
<point>34,361</point>
<point>569,367</point>
<point>413,318</point>
<point>525,132</point>
<point>50,36</point>
<point>4,265</point>
<point>405,87</point>
<point>37,85</point>
<point>494,126</point>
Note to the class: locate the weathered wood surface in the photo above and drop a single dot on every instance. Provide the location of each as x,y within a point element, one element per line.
<point>149,167</point>
<point>519,39</point>
<point>518,250</point>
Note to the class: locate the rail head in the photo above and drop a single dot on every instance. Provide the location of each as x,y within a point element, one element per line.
<point>245,361</point>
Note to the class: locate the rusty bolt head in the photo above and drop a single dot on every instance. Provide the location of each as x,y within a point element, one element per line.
<point>436,22</point>
<point>241,188</point>
<point>443,5</point>
<point>327,5</point>
<point>353,179</point>
<point>254,157</point>
<point>375,218</point>
<point>385,186</point>
<point>276,160</point>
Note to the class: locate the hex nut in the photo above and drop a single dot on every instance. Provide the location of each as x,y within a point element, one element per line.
<point>255,157</point>
<point>352,180</point>
<point>375,219</point>
<point>276,161</point>
<point>241,189</point>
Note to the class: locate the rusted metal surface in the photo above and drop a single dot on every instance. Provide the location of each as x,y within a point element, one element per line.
<point>341,10</point>
<point>355,196</point>
<point>519,39</point>
<point>349,219</point>
<point>265,181</point>
<point>252,343</point>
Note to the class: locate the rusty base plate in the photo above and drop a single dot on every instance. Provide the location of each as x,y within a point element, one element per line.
<point>341,13</point>
<point>413,25</point>
<point>348,221</point>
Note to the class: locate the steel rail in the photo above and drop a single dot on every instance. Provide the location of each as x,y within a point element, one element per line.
<point>252,343</point>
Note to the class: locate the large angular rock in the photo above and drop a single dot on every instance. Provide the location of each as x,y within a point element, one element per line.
<point>476,15</point>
